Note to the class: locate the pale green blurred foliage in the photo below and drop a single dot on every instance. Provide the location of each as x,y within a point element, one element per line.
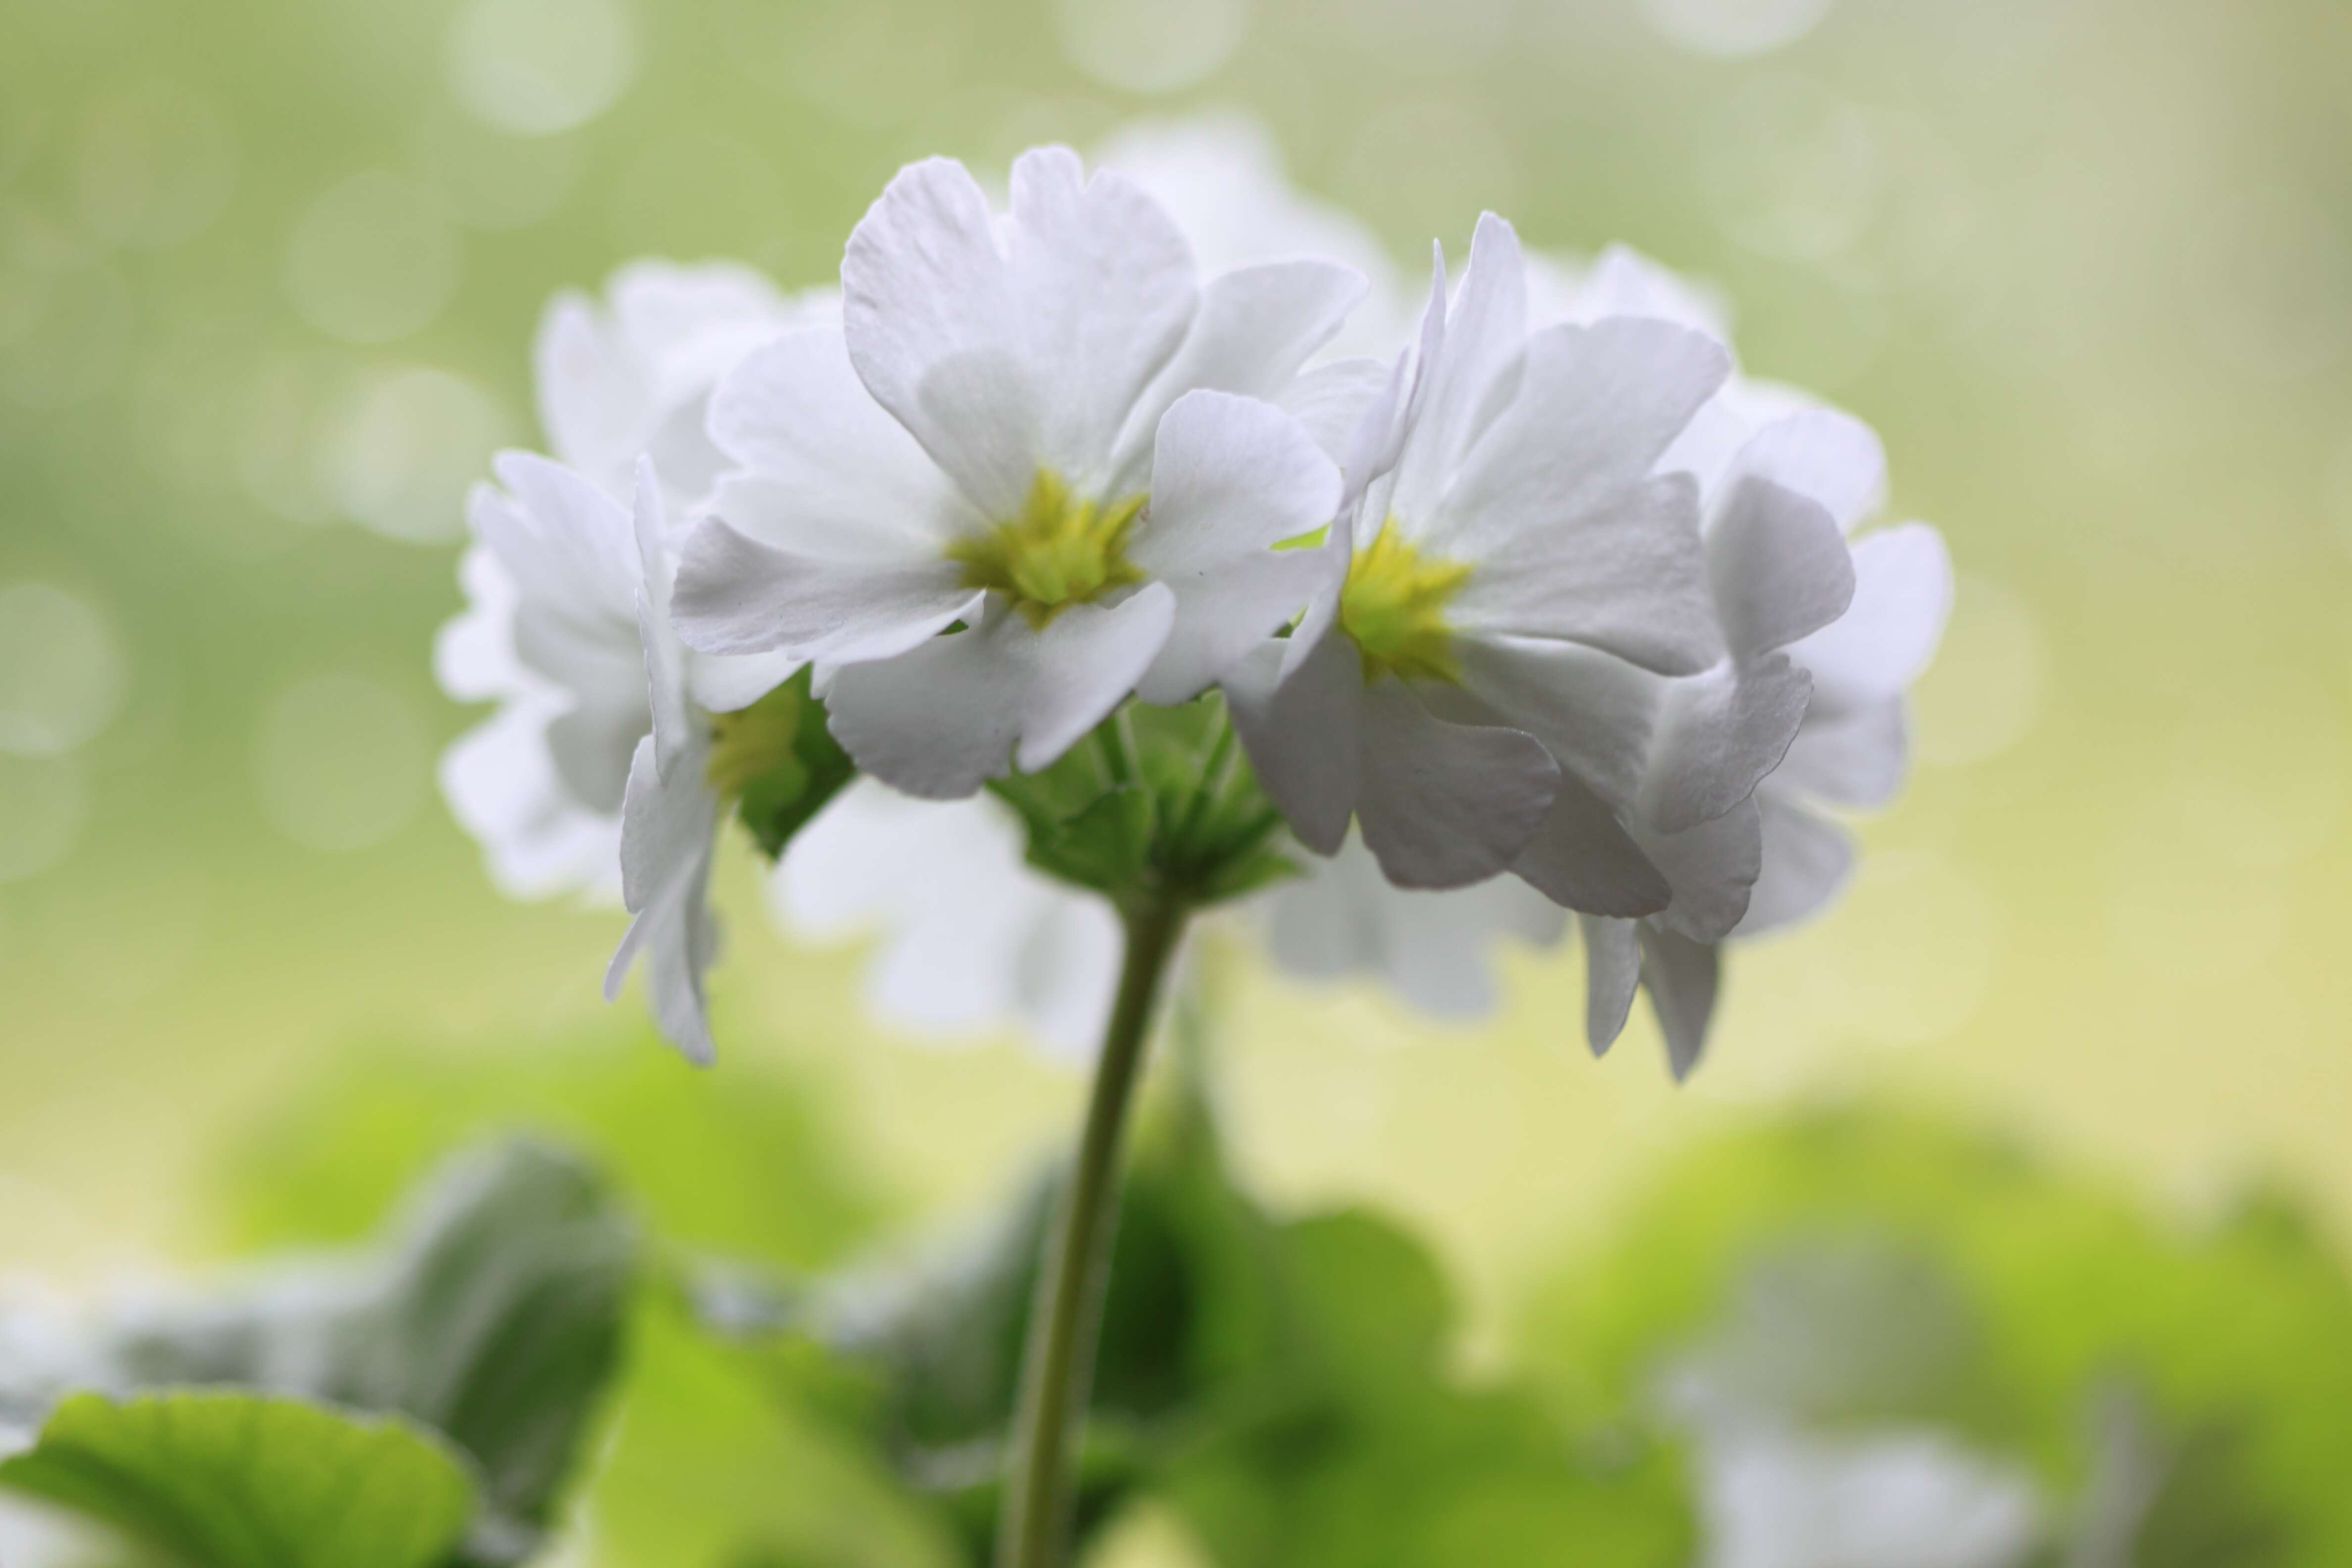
<point>268,271</point>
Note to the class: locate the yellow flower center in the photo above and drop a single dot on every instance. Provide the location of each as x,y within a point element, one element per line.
<point>753,741</point>
<point>1059,550</point>
<point>1393,605</point>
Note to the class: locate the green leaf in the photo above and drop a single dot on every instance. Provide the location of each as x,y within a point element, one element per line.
<point>240,1480</point>
<point>494,1315</point>
<point>780,758</point>
<point>501,1321</point>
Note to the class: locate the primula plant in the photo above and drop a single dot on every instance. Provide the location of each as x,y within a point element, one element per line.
<point>1101,554</point>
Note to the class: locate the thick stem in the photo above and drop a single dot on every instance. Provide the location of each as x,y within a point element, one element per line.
<point>1057,1365</point>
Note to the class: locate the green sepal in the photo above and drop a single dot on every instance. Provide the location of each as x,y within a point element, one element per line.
<point>1157,801</point>
<point>220,1479</point>
<point>800,768</point>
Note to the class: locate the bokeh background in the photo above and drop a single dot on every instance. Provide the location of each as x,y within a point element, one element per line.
<point>268,271</point>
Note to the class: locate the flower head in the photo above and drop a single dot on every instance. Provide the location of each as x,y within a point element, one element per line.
<point>1507,574</point>
<point>1023,480</point>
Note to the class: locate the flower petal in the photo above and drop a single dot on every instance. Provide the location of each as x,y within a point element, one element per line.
<point>1256,326</point>
<point>594,403</point>
<point>473,652</point>
<point>1330,400</point>
<point>590,744</point>
<point>1302,729</point>
<point>940,719</point>
<point>830,471</point>
<point>1106,285</point>
<point>1592,711</point>
<point>1435,948</point>
<point>1581,857</point>
<point>1807,858</point>
<point>1825,454</point>
<point>1902,595</point>
<point>1485,331</point>
<point>665,841</point>
<point>1613,973</point>
<point>1626,576</point>
<point>664,659</point>
<point>1712,868</point>
<point>1596,408</point>
<point>536,836</point>
<point>1233,477</point>
<point>1719,734</point>
<point>1440,805</point>
<point>1855,758</point>
<point>1777,565</point>
<point>723,685</point>
<point>1683,978</point>
<point>1086,301</point>
<point>738,596</point>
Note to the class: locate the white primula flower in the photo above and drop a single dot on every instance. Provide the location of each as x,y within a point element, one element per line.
<point>1770,1497</point>
<point>633,373</point>
<point>549,631</point>
<point>972,938</point>
<point>1035,430</point>
<point>1477,689</point>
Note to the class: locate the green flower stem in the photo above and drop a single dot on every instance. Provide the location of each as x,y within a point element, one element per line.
<point>1057,1365</point>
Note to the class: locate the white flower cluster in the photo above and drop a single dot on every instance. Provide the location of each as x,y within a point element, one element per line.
<point>1546,609</point>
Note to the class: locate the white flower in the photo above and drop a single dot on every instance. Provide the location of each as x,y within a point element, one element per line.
<point>1770,1497</point>
<point>1736,867</point>
<point>972,938</point>
<point>634,374</point>
<point>979,445</point>
<point>550,628</point>
<point>1478,689</point>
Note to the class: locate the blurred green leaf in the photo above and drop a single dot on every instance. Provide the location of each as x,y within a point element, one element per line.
<point>2057,1288</point>
<point>493,1316</point>
<point>501,1324</point>
<point>238,1480</point>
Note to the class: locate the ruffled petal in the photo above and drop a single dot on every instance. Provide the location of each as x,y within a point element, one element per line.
<point>737,596</point>
<point>1825,454</point>
<point>1683,978</point>
<point>1581,857</point>
<point>1718,735</point>
<point>593,402</point>
<point>1440,805</point>
<point>537,839</point>
<point>665,842</point>
<point>1258,325</point>
<point>1086,301</point>
<point>1853,758</point>
<point>1485,331</point>
<point>1593,711</point>
<point>1302,728</point>
<point>829,470</point>
<point>1233,477</point>
<point>1712,868</point>
<point>1902,595</point>
<point>1777,565</point>
<point>1807,860</point>
<point>1613,973</point>
<point>941,720</point>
